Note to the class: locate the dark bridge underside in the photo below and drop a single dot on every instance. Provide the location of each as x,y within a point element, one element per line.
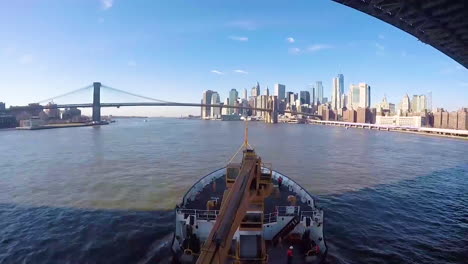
<point>442,24</point>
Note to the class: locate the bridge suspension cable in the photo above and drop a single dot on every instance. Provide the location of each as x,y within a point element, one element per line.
<point>65,94</point>
<point>136,95</point>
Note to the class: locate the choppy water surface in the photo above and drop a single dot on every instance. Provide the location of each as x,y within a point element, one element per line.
<point>105,194</point>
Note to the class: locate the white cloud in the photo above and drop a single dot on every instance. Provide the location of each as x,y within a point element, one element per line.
<point>241,71</point>
<point>217,72</point>
<point>290,40</point>
<point>381,36</point>
<point>131,63</point>
<point>380,49</point>
<point>294,50</point>
<point>244,24</point>
<point>25,59</point>
<point>106,4</point>
<point>318,47</point>
<point>379,46</point>
<point>243,39</point>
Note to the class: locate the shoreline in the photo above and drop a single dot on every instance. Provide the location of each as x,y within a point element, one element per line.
<point>443,133</point>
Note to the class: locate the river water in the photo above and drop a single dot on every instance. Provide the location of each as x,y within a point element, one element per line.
<point>105,194</point>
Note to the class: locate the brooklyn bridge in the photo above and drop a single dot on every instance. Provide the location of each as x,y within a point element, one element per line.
<point>270,113</point>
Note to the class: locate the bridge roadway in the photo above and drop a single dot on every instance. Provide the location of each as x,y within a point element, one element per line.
<point>118,105</point>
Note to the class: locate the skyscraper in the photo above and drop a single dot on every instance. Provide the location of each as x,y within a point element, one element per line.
<point>233,95</point>
<point>312,94</point>
<point>338,90</point>
<point>429,100</point>
<point>359,96</point>
<point>405,105</point>
<point>245,94</point>
<point>256,90</point>
<point>206,99</point>
<point>418,103</point>
<point>319,92</point>
<point>267,91</point>
<point>215,111</point>
<point>280,90</point>
<point>304,97</point>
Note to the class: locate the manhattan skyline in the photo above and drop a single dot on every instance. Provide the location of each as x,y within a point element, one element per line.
<point>174,55</point>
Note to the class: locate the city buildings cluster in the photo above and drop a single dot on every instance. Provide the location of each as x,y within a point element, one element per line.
<point>35,113</point>
<point>351,106</point>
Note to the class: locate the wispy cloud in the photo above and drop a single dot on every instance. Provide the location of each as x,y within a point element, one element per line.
<point>244,24</point>
<point>106,4</point>
<point>290,40</point>
<point>318,47</point>
<point>381,36</point>
<point>294,50</point>
<point>240,71</point>
<point>379,46</point>
<point>131,63</point>
<point>25,59</point>
<point>237,38</point>
<point>217,72</point>
<point>380,49</point>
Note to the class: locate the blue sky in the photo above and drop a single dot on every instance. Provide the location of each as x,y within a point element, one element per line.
<point>174,50</point>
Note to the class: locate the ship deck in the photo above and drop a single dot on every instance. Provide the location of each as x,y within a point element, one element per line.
<point>277,254</point>
<point>216,191</point>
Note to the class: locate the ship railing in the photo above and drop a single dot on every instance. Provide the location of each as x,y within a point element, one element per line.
<point>200,214</point>
<point>287,210</point>
<point>270,218</point>
<point>308,213</point>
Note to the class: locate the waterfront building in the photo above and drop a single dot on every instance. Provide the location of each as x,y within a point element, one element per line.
<point>215,111</point>
<point>453,120</point>
<point>233,95</point>
<point>365,115</point>
<point>337,91</point>
<point>406,121</point>
<point>72,114</point>
<point>385,108</point>
<point>280,90</point>
<point>2,106</point>
<point>463,119</point>
<point>304,97</point>
<point>53,112</point>
<point>256,90</point>
<point>350,115</point>
<point>7,121</point>
<point>245,94</point>
<point>206,100</point>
